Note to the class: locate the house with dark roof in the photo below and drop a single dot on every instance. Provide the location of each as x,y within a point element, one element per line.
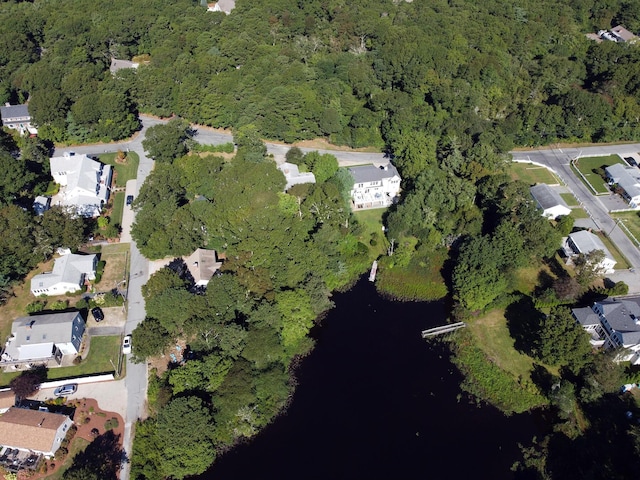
<point>549,201</point>
<point>69,274</point>
<point>585,242</point>
<point>17,117</point>
<point>627,181</point>
<point>294,176</point>
<point>374,187</point>
<point>85,183</point>
<point>33,431</point>
<point>51,338</point>
<point>614,324</point>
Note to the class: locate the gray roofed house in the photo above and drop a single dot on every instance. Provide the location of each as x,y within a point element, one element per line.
<point>85,183</point>
<point>68,275</point>
<point>549,200</point>
<point>293,175</point>
<point>41,204</point>
<point>374,187</point>
<point>628,180</point>
<point>590,321</point>
<point>51,337</point>
<point>121,64</point>
<point>202,265</point>
<point>586,242</point>
<point>17,117</point>
<point>623,34</point>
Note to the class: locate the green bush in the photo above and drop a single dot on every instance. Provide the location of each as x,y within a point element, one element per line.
<point>111,424</point>
<point>82,304</point>
<point>35,307</point>
<point>225,148</point>
<point>59,305</point>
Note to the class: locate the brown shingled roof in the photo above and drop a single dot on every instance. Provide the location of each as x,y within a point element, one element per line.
<point>29,429</point>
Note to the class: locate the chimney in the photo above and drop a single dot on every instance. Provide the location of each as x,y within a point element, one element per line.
<point>195,264</point>
<point>31,323</point>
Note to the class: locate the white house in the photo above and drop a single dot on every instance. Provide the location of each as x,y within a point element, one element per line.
<point>68,275</point>
<point>222,6</point>
<point>628,181</point>
<point>17,117</point>
<point>85,183</point>
<point>613,324</point>
<point>202,265</point>
<point>121,65</point>
<point>586,242</point>
<point>33,431</point>
<point>374,187</point>
<point>41,338</point>
<point>293,175</point>
<point>549,201</point>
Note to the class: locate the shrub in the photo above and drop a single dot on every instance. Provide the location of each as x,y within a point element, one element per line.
<point>82,304</point>
<point>59,305</point>
<point>111,424</point>
<point>35,307</point>
<point>61,453</point>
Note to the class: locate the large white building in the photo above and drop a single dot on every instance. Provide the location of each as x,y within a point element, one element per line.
<point>374,187</point>
<point>85,183</point>
<point>69,275</point>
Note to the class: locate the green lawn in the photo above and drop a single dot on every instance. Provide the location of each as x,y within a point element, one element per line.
<point>531,174</point>
<point>372,234</point>
<point>118,206</point>
<point>578,212</point>
<point>631,220</point>
<point>570,200</point>
<point>617,256</point>
<point>124,172</point>
<point>588,165</point>
<point>102,351</point>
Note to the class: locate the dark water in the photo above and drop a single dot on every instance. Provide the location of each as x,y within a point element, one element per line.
<point>375,401</point>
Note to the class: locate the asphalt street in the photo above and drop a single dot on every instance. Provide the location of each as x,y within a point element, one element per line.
<point>559,161</point>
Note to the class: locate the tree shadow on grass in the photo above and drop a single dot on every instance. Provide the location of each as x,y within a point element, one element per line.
<point>101,459</point>
<point>523,321</point>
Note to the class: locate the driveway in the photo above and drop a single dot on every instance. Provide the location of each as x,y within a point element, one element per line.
<point>111,396</point>
<point>127,212</point>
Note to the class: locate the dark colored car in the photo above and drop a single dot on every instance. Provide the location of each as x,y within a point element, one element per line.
<point>97,313</point>
<point>129,199</point>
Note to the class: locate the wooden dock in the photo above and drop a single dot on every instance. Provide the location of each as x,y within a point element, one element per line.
<point>374,270</point>
<point>432,332</point>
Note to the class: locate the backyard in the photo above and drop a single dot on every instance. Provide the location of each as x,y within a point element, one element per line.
<point>532,174</point>
<point>588,168</point>
<point>622,262</point>
<point>115,256</point>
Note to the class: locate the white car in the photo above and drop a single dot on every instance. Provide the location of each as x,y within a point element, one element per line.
<point>126,345</point>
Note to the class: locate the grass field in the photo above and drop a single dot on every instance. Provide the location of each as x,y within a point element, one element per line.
<point>102,351</point>
<point>371,220</point>
<point>588,165</point>
<point>118,206</point>
<point>124,171</point>
<point>115,255</point>
<point>617,256</point>
<point>570,200</point>
<point>631,220</point>
<point>578,212</point>
<point>531,174</point>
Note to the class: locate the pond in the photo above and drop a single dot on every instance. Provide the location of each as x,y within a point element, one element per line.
<point>375,400</point>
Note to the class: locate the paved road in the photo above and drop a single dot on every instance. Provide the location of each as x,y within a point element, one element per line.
<point>559,160</point>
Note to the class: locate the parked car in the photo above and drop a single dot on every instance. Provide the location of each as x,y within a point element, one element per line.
<point>67,389</point>
<point>97,313</point>
<point>129,199</point>
<point>126,345</point>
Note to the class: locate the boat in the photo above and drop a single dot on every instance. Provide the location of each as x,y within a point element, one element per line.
<point>374,270</point>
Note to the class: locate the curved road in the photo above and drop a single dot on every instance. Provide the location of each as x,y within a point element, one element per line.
<point>136,378</point>
<point>559,161</point>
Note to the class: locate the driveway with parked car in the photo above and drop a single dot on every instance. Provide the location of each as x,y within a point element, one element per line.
<point>127,212</point>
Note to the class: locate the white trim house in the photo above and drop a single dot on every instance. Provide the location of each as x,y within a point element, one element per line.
<point>374,187</point>
<point>41,338</point>
<point>85,183</point>
<point>69,274</point>
<point>613,324</point>
<point>627,180</point>
<point>33,431</point>
<point>17,117</point>
<point>549,201</point>
<point>586,242</point>
<point>293,175</point>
